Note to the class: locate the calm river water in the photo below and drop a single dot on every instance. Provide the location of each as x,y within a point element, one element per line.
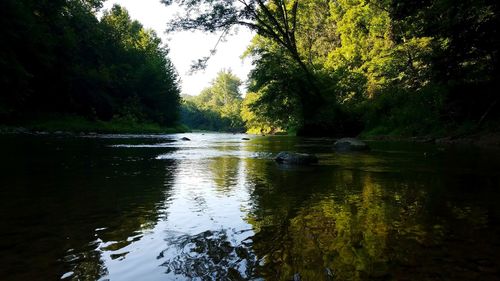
<point>219,208</point>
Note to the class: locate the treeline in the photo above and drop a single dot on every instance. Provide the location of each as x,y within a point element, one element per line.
<point>379,66</point>
<point>385,67</point>
<point>58,58</point>
<point>221,107</point>
<point>217,107</point>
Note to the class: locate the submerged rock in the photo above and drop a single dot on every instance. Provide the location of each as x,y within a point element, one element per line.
<point>350,144</point>
<point>296,158</point>
<point>185,139</point>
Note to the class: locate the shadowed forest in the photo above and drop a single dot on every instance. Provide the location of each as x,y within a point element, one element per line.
<point>110,170</point>
<point>58,60</point>
<point>370,67</point>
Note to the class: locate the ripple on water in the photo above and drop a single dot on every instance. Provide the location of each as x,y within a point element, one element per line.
<point>225,211</point>
<point>67,275</point>
<point>219,253</point>
<point>197,154</point>
<point>156,145</point>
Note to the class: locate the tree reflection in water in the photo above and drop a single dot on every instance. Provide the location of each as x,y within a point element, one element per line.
<point>338,225</point>
<point>363,226</point>
<point>93,212</point>
<point>210,255</point>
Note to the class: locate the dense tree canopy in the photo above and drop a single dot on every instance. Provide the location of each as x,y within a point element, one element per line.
<point>58,57</point>
<point>338,67</point>
<point>320,66</point>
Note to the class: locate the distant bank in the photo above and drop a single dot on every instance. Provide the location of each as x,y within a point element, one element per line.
<point>77,124</point>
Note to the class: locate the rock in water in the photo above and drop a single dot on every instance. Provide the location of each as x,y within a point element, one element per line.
<point>245,139</point>
<point>350,144</point>
<point>185,139</point>
<point>296,158</point>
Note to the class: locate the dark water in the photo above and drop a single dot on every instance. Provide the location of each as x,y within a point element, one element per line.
<point>219,208</point>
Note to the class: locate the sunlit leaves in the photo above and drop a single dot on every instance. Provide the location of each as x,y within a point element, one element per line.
<point>217,107</point>
<point>255,117</point>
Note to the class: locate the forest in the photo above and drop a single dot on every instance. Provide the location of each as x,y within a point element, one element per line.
<point>59,60</point>
<point>376,67</point>
<point>320,67</point>
<point>363,145</point>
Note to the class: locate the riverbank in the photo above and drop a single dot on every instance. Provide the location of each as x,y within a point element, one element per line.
<point>77,125</point>
<point>484,139</point>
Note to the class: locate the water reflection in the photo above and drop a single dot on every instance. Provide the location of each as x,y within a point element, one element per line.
<point>341,235</point>
<point>219,208</point>
<point>210,255</point>
<point>364,226</point>
<point>70,204</point>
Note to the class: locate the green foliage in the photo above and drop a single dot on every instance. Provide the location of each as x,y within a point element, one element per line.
<point>78,124</point>
<point>256,117</point>
<point>321,67</point>
<point>400,113</point>
<point>150,82</point>
<point>57,57</point>
<point>406,68</point>
<point>276,82</point>
<point>216,108</point>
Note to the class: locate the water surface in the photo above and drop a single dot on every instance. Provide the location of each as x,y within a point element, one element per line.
<point>149,207</point>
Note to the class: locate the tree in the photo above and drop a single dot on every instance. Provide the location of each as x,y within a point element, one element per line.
<point>58,58</point>
<point>256,121</point>
<point>275,20</point>
<point>464,58</point>
<point>217,107</point>
<point>276,85</point>
<point>148,81</point>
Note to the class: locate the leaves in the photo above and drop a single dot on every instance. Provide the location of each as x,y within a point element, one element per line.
<point>216,107</point>
<point>59,58</point>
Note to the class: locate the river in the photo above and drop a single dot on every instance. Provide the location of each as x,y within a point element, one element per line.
<point>153,207</point>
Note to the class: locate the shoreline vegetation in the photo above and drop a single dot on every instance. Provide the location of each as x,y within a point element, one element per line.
<point>375,68</point>
<point>78,125</point>
<point>64,67</point>
<point>382,70</point>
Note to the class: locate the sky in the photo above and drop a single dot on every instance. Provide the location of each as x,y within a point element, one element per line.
<point>188,46</point>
